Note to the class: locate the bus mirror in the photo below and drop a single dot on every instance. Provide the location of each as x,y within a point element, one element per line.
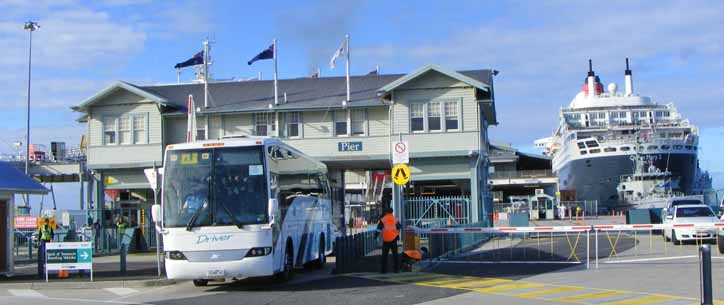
<point>273,209</point>
<point>156,213</point>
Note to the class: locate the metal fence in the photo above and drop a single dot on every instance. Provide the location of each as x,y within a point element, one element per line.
<point>434,212</point>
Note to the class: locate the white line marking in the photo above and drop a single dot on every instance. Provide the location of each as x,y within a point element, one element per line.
<point>649,259</point>
<point>507,262</point>
<point>121,291</point>
<point>26,293</point>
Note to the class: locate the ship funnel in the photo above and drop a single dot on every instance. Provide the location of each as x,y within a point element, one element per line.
<point>591,80</point>
<point>629,80</point>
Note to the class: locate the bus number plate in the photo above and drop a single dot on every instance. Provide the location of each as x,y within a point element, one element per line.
<point>215,273</point>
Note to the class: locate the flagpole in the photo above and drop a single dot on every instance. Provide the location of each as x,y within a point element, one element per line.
<point>206,73</point>
<point>276,94</point>
<point>346,39</point>
<point>178,75</point>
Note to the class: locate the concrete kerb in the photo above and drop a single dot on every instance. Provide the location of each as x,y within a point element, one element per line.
<point>90,285</point>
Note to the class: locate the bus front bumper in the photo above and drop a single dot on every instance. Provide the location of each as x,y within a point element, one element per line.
<point>237,269</point>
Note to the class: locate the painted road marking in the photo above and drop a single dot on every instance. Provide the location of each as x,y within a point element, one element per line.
<point>530,290</point>
<point>539,293</point>
<point>26,293</point>
<point>121,291</point>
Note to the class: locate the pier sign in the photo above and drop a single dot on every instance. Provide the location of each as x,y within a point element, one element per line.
<point>68,256</point>
<point>349,146</point>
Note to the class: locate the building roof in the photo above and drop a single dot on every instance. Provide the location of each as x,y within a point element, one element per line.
<point>14,181</point>
<point>301,93</point>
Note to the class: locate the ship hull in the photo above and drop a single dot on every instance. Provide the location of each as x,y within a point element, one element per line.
<point>596,178</point>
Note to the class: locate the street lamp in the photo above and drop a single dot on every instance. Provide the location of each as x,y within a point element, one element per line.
<point>30,26</point>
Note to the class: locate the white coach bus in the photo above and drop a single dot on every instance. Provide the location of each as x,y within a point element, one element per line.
<point>242,207</point>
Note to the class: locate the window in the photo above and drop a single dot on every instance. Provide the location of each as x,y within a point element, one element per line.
<point>294,121</point>
<point>625,148</point>
<point>264,124</point>
<point>581,145</point>
<point>652,147</point>
<point>139,129</point>
<point>357,121</point>
<point>678,147</point>
<point>451,115</point>
<point>665,147</point>
<point>591,143</point>
<point>595,151</point>
<point>340,122</point>
<point>433,116</point>
<point>124,130</point>
<point>109,130</point>
<point>200,130</point>
<point>583,152</point>
<point>417,117</point>
<point>609,149</point>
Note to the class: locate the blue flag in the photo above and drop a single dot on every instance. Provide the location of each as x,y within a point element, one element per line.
<point>198,59</point>
<point>266,54</point>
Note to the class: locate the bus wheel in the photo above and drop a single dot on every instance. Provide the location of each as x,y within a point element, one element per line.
<point>288,273</point>
<point>200,283</point>
<point>322,259</point>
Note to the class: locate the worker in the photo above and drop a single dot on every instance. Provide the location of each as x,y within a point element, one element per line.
<point>122,225</point>
<point>45,235</point>
<point>390,228</point>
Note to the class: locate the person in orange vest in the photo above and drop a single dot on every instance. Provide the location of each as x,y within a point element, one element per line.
<point>390,229</point>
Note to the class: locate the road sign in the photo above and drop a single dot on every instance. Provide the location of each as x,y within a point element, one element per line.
<point>401,174</point>
<point>68,256</point>
<point>400,152</point>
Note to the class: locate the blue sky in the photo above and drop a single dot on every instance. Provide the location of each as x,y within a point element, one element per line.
<point>541,49</point>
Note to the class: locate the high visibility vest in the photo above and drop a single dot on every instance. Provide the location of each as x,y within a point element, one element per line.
<point>389,231</point>
<point>45,233</point>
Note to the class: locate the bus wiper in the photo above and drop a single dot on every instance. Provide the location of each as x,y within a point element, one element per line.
<point>233,218</point>
<point>196,214</point>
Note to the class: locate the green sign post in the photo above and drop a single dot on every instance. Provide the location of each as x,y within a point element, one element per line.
<point>69,256</point>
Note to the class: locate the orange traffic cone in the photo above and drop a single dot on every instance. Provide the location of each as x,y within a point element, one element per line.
<point>62,274</point>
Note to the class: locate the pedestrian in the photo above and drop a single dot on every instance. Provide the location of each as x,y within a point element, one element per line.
<point>122,225</point>
<point>45,235</point>
<point>390,228</point>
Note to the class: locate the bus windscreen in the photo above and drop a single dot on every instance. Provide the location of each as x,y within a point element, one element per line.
<point>213,187</point>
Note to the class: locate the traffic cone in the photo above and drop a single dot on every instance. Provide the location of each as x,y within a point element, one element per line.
<point>62,274</point>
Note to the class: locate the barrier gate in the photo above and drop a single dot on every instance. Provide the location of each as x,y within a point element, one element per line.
<point>591,245</point>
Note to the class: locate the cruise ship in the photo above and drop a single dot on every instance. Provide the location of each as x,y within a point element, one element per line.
<point>601,133</point>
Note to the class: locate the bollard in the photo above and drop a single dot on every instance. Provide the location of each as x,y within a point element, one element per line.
<point>613,216</point>
<point>30,248</point>
<point>705,265</point>
<point>123,259</point>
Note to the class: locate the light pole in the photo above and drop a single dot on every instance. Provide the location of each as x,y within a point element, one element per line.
<point>30,26</point>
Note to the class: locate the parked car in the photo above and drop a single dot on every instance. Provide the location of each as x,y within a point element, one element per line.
<point>720,237</point>
<point>682,200</point>
<point>693,213</point>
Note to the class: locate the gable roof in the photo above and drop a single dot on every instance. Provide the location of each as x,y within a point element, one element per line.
<point>299,93</point>
<point>477,83</point>
<point>116,86</point>
<point>14,181</point>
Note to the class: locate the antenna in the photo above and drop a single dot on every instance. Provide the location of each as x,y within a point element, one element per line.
<point>590,68</point>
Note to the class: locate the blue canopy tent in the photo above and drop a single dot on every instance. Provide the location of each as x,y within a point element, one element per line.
<point>12,181</point>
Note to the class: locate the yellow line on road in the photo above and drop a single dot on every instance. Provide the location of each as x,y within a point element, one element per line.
<point>589,296</point>
<point>500,288</point>
<point>543,293</point>
<point>469,284</point>
<point>641,301</point>
<point>438,283</point>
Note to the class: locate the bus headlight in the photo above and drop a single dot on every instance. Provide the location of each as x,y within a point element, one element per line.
<point>176,255</point>
<point>260,251</point>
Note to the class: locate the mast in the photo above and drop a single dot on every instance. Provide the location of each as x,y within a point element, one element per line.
<point>206,73</point>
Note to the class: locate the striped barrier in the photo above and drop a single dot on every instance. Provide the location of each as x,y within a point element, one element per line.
<point>612,227</point>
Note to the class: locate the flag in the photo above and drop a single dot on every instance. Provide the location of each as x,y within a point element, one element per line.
<point>372,73</point>
<point>266,54</point>
<point>198,59</point>
<point>191,120</point>
<point>341,51</point>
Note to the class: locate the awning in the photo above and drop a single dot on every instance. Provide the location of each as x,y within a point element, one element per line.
<point>14,181</point>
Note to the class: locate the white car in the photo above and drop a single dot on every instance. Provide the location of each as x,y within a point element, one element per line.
<point>720,241</point>
<point>684,214</point>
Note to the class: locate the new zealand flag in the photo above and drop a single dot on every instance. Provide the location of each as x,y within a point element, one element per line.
<point>198,59</point>
<point>266,54</point>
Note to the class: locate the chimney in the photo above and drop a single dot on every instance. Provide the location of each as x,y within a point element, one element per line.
<point>591,80</point>
<point>629,80</point>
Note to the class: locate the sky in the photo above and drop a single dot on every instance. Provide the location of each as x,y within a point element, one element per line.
<point>541,49</point>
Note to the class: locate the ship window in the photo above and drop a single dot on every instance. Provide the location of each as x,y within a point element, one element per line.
<point>595,151</point>
<point>665,147</point>
<point>641,148</point>
<point>591,144</point>
<point>652,147</point>
<point>609,149</point>
<point>581,145</point>
<point>694,148</point>
<point>678,147</point>
<point>625,148</point>
<point>688,147</point>
<point>583,152</point>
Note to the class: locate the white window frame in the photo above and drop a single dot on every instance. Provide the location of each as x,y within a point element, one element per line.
<point>347,119</point>
<point>144,119</point>
<point>270,122</point>
<point>363,111</point>
<point>114,130</point>
<point>458,115</point>
<point>288,122</point>
<point>443,115</point>
<point>422,116</point>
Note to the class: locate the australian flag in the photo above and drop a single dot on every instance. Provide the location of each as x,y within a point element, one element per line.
<point>266,54</point>
<point>198,59</point>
